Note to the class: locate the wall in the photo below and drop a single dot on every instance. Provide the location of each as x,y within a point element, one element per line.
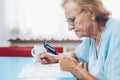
<point>3,29</point>
<point>1,18</point>
<point>68,45</point>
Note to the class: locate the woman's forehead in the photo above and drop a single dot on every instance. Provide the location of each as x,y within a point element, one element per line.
<point>70,13</point>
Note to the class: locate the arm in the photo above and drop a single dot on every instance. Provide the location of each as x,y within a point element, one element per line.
<point>48,58</point>
<point>112,61</point>
<point>81,73</point>
<point>71,54</point>
<point>70,64</point>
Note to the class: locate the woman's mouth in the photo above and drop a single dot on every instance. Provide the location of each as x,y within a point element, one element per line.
<point>76,30</point>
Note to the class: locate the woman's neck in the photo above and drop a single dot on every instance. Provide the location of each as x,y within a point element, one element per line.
<point>100,29</point>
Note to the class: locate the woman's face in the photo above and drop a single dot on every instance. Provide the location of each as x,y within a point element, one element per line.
<point>81,22</point>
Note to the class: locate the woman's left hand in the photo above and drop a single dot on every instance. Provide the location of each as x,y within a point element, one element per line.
<point>67,63</point>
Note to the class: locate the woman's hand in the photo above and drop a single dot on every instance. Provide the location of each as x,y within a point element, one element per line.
<point>47,58</point>
<point>67,63</point>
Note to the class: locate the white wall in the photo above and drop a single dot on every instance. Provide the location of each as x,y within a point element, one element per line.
<point>1,17</point>
<point>113,7</point>
<point>3,41</point>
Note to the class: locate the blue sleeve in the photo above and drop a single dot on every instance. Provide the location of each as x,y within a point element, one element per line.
<point>112,64</point>
<point>82,50</point>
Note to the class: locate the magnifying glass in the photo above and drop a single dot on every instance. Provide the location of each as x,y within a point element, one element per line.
<point>49,48</point>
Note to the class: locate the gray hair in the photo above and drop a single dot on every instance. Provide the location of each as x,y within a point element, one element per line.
<point>95,6</point>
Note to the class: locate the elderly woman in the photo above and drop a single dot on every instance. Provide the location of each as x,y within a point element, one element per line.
<point>100,47</point>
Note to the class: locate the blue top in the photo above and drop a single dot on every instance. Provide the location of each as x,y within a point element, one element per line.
<point>104,63</point>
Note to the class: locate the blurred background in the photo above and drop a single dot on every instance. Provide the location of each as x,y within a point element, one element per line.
<point>28,22</point>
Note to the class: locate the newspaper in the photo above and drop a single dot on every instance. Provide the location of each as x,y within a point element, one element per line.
<point>34,71</point>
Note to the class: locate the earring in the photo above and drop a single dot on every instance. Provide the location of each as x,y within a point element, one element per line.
<point>93,22</point>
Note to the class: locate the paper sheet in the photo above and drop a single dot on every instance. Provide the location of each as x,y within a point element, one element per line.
<point>43,71</point>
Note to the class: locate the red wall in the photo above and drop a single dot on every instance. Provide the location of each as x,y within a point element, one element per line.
<point>19,51</point>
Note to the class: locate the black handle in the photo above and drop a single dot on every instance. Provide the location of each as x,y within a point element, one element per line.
<point>49,48</point>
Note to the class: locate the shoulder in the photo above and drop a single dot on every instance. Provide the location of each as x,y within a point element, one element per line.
<point>112,24</point>
<point>86,41</point>
<point>112,27</point>
<point>85,45</point>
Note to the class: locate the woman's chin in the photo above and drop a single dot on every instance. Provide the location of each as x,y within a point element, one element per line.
<point>79,35</point>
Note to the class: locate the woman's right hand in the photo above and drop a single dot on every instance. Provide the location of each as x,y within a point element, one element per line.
<point>47,58</point>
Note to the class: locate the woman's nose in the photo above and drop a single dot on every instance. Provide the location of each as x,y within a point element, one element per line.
<point>70,27</point>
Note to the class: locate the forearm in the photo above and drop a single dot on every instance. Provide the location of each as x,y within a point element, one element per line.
<point>67,63</point>
<point>81,73</point>
<point>71,54</point>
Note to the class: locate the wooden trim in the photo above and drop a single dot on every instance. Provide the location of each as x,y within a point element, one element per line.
<point>37,40</point>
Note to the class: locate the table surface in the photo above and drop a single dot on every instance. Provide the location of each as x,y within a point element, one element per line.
<point>10,67</point>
